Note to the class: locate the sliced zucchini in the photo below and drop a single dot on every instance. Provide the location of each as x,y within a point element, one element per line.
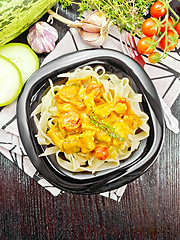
<point>10,81</point>
<point>23,56</point>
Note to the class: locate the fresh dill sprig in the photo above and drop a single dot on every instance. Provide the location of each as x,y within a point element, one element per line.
<point>94,119</point>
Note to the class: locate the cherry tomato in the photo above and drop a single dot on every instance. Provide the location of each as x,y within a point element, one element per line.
<point>143,46</point>
<point>178,28</point>
<point>98,88</point>
<point>101,152</point>
<point>158,9</point>
<point>70,120</point>
<point>170,46</point>
<point>170,21</point>
<point>154,57</point>
<point>147,26</point>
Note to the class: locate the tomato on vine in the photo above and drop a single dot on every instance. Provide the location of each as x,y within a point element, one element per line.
<point>160,29</point>
<point>158,9</point>
<point>170,46</point>
<point>178,28</point>
<point>143,46</point>
<point>148,27</point>
<point>170,21</point>
<point>154,57</point>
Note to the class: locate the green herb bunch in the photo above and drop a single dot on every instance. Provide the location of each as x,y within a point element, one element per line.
<point>126,14</point>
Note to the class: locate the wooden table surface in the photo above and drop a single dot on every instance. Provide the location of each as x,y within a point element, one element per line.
<point>149,208</point>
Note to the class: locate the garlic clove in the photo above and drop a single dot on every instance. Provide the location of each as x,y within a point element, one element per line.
<point>93,39</point>
<point>105,29</point>
<point>42,37</point>
<point>90,28</point>
<point>97,18</point>
<point>97,42</point>
<point>87,36</point>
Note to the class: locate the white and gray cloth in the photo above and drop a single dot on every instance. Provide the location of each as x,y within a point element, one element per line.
<point>165,76</point>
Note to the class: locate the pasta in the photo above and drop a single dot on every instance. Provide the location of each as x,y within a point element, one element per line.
<point>94,119</point>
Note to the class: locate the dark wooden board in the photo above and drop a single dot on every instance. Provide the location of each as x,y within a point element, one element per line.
<point>149,208</point>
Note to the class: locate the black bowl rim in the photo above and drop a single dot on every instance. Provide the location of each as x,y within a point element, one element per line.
<point>118,177</point>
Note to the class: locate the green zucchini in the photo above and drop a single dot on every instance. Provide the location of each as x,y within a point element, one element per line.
<point>18,15</point>
<point>10,81</point>
<point>22,56</point>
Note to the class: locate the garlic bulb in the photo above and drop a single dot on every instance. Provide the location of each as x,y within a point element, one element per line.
<point>42,37</point>
<point>93,29</point>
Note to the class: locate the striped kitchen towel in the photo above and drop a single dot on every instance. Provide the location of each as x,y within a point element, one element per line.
<point>165,77</point>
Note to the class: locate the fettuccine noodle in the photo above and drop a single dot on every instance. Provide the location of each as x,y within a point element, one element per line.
<point>93,119</point>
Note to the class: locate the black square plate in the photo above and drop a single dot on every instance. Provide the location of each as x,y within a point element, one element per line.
<point>130,169</point>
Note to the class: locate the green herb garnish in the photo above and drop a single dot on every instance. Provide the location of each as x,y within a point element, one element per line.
<point>94,119</point>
